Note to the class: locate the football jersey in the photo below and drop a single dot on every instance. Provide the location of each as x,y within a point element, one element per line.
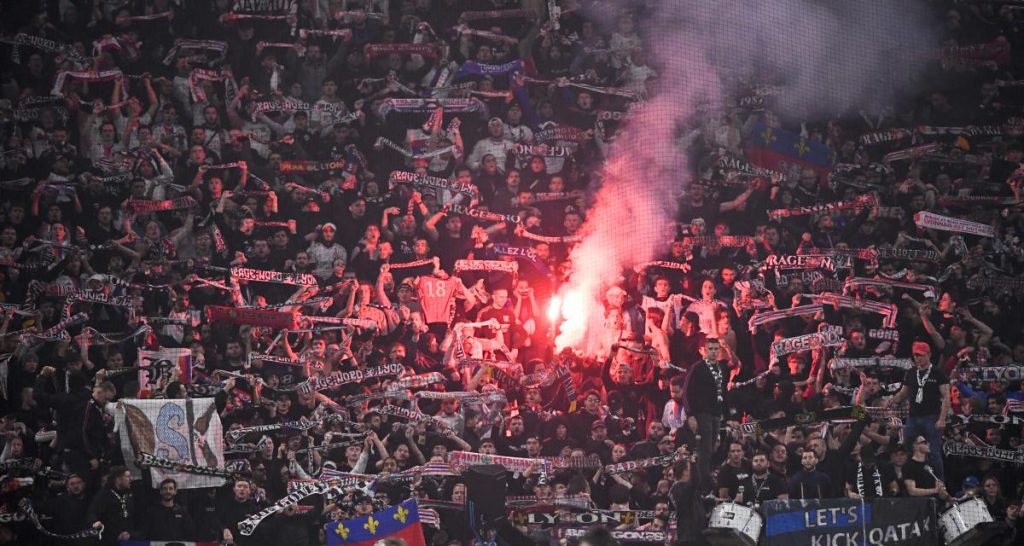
<point>437,296</point>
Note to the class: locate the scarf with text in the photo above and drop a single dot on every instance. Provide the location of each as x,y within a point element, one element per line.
<point>804,419</point>
<point>485,215</point>
<point>966,449</point>
<point>63,51</point>
<point>26,506</point>
<point>427,181</point>
<point>887,310</point>
<point>764,317</point>
<point>146,206</point>
<point>414,416</point>
<point>254,317</point>
<point>468,16</point>
<point>425,106</point>
<point>373,51</point>
<point>631,466</point>
<point>860,201</point>
<point>931,220</point>
<point>343,378</point>
<point>486,265</point>
<point>840,363</point>
<point>277,277</point>
<point>87,76</point>
<point>464,459</point>
<point>806,342</point>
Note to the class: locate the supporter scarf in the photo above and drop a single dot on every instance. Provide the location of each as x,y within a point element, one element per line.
<point>946,223</point>
<point>416,381</point>
<point>566,239</point>
<point>911,153</point>
<point>974,55</point>
<point>516,251</point>
<point>533,503</point>
<point>300,425</point>
<point>887,310</point>
<point>464,30</point>
<point>300,50</point>
<point>292,105</point>
<point>338,379</point>
<point>727,241</point>
<point>88,76</point>
<point>373,51</point>
<point>561,463</point>
<point>275,359</point>
<point>468,16</point>
<point>198,74</point>
<point>17,182</point>
<point>976,200</point>
<point>146,206</point>
<point>764,317</point>
<point>884,137</point>
<point>560,132</point>
<point>381,141</point>
<point>62,50</point>
<point>414,416</point>
<point>1000,420</point>
<point>999,374</point>
<point>804,419</point>
<point>964,449</point>
<point>544,150</point>
<point>486,265</point>
<point>221,48</point>
<point>909,254</point>
<point>806,342</point>
<point>253,317</point>
<point>972,130</point>
<point>424,106</point>
<point>805,261</point>
<point>367,324</point>
<point>630,466</point>
<point>277,277</point>
<point>888,388</point>
<point>860,201</point>
<point>466,397</point>
<point>29,109</point>
<point>426,181</point>
<point>248,525</point>
<point>840,363</point>
<point>485,215</point>
<point>658,263</point>
<point>854,282</point>
<point>545,197</point>
<point>1006,283</point>
<point>58,331</point>
<point>26,506</point>
<point>464,459</point>
<point>146,460</point>
<point>232,17</point>
<point>27,462</point>
<point>100,338</point>
<point>409,265</point>
<point>734,166</point>
<point>311,166</point>
<point>473,68</point>
<point>344,33</point>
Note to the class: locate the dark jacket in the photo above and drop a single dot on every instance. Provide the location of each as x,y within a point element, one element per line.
<point>810,485</point>
<point>118,513</point>
<point>163,523</point>
<point>702,390</point>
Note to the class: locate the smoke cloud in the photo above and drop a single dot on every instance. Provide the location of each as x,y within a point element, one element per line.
<point>825,57</point>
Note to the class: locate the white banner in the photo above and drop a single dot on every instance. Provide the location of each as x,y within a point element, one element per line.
<point>186,431</point>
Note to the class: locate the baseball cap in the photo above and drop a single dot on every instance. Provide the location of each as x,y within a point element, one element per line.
<point>921,347</point>
<point>971,481</point>
<point>495,121</point>
<point>597,424</point>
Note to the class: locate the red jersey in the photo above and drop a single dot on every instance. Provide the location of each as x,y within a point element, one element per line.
<point>437,296</point>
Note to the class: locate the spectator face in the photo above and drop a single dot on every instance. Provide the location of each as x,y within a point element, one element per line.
<point>921,446</point>
<point>500,297</point>
<point>708,290</point>
<point>760,464</point>
<point>75,485</point>
<point>487,448</point>
<point>459,493</point>
<point>516,426</point>
<point>779,454</point>
<point>808,460</point>
<point>123,481</point>
<point>168,491</point>
<point>735,454</point>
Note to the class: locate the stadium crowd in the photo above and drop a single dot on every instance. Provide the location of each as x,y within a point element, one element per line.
<point>354,216</point>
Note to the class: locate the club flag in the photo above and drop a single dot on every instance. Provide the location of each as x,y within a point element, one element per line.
<point>401,521</point>
<point>779,150</point>
<point>156,368</point>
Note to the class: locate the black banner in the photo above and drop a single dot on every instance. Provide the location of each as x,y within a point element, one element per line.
<point>831,522</point>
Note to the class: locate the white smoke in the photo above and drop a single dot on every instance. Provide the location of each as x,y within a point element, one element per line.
<point>826,56</point>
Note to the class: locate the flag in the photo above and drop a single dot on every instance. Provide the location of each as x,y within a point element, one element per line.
<point>779,150</point>
<point>155,366</point>
<point>401,521</point>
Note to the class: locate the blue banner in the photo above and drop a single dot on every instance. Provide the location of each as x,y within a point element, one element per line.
<point>850,522</point>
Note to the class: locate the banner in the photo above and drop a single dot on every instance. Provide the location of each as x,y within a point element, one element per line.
<point>155,366</point>
<point>878,522</point>
<point>399,523</point>
<point>806,418</point>
<point>626,536</point>
<point>182,431</point>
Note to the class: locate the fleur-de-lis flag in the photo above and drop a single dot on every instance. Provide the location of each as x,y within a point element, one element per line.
<point>401,521</point>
